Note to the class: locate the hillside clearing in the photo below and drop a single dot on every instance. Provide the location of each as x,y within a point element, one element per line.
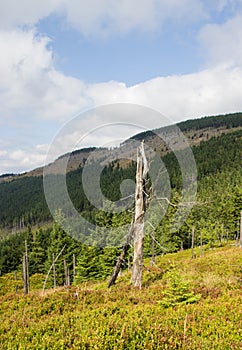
<point>185,304</point>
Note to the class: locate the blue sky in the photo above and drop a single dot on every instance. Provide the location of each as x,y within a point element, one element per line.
<point>59,58</point>
<point>131,58</point>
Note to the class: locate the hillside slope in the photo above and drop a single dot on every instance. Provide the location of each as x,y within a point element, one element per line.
<point>185,304</point>
<point>22,199</point>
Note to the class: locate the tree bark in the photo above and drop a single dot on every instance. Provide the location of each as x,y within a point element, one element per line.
<point>53,267</point>
<point>193,239</point>
<point>54,272</point>
<point>26,270</point>
<point>67,274</point>
<point>27,265</point>
<point>140,201</point>
<point>74,266</point>
<point>121,257</point>
<point>25,280</point>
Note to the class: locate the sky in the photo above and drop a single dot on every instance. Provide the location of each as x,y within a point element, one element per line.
<point>61,58</point>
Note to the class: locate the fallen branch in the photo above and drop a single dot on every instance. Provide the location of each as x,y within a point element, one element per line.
<point>46,278</point>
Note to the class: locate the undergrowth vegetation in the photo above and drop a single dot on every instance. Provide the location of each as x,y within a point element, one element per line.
<point>185,304</point>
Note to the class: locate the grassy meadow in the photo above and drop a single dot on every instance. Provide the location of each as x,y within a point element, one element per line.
<point>184,304</point>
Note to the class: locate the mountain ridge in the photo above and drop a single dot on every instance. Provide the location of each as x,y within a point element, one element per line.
<point>208,127</point>
<point>23,201</point>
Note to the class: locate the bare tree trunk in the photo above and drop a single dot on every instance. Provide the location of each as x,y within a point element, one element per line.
<point>121,257</point>
<point>27,265</point>
<point>54,272</point>
<point>140,199</point>
<point>26,270</point>
<point>24,275</point>
<point>193,239</point>
<point>67,278</point>
<point>74,266</point>
<point>52,267</point>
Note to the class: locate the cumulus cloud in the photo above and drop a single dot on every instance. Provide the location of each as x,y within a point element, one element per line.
<point>29,82</point>
<point>3,153</point>
<point>21,160</point>
<point>104,17</point>
<point>209,91</point>
<point>33,95</point>
<point>32,90</point>
<point>223,43</point>
<point>25,12</point>
<point>110,16</point>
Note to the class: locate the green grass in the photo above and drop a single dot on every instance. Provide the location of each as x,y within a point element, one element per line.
<point>185,304</point>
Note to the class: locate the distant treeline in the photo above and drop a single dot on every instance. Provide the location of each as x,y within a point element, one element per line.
<point>23,202</point>
<point>215,217</point>
<point>227,121</point>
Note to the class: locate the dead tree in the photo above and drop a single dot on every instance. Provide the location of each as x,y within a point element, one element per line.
<point>54,271</point>
<point>137,226</point>
<point>193,240</point>
<point>26,270</point>
<point>27,264</point>
<point>140,204</point>
<point>67,274</point>
<point>53,267</point>
<point>25,278</point>
<point>74,266</point>
<point>121,257</point>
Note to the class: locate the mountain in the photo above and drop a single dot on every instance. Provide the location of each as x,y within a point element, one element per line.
<point>215,217</point>
<point>215,141</point>
<point>192,276</point>
<point>196,130</point>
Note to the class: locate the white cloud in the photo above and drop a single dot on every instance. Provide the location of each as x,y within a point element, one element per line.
<point>3,153</point>
<point>97,17</point>
<point>223,43</point>
<point>30,86</point>
<point>25,12</point>
<point>21,160</point>
<point>210,91</point>
<point>32,95</point>
<point>29,82</point>
<point>105,17</point>
<point>32,90</point>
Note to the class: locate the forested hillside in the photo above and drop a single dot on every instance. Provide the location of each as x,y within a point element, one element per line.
<point>23,203</point>
<point>215,217</point>
<point>227,121</point>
